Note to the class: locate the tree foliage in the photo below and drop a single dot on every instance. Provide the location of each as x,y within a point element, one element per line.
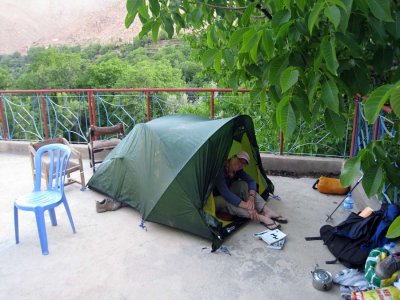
<point>307,54</point>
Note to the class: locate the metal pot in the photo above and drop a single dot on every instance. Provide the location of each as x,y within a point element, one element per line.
<point>322,279</point>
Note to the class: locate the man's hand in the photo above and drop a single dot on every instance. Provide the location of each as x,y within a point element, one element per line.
<point>254,215</point>
<point>250,203</point>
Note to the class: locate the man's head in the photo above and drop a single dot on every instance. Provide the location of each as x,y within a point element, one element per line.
<point>240,160</point>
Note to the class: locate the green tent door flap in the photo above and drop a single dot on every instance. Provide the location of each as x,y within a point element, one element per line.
<point>166,168</point>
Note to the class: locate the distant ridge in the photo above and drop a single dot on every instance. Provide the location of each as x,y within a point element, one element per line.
<point>28,23</point>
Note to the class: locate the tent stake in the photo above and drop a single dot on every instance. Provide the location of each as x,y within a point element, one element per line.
<point>351,190</point>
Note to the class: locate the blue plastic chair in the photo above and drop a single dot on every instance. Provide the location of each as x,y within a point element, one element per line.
<point>57,157</point>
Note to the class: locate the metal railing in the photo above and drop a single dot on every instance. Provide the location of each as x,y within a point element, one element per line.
<point>363,134</point>
<point>44,114</point>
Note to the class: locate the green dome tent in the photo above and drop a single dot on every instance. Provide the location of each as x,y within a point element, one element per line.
<point>166,169</point>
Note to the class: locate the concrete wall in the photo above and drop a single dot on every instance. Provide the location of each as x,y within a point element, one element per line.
<point>293,166</point>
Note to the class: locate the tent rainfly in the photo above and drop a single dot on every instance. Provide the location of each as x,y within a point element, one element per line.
<point>166,168</point>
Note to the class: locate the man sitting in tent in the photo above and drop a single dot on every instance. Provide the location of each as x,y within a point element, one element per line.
<point>239,191</point>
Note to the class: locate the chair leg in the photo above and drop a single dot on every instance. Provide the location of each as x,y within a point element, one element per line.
<point>69,214</point>
<point>90,157</point>
<point>16,228</point>
<point>41,226</point>
<point>83,180</point>
<point>53,217</point>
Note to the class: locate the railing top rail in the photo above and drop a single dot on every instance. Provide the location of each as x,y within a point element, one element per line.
<point>124,90</point>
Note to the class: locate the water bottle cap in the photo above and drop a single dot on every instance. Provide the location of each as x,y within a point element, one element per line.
<point>392,244</point>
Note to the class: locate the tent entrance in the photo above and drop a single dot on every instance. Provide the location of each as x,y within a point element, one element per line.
<point>214,204</point>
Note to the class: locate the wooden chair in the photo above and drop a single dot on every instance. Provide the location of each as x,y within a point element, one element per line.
<point>74,164</point>
<point>103,139</point>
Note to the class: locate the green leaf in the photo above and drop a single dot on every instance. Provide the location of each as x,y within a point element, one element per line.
<point>283,30</point>
<point>288,78</point>
<point>129,18</point>
<point>244,20</point>
<point>329,94</point>
<point>329,54</point>
<point>380,9</point>
<point>333,14</point>
<point>210,36</point>
<point>335,123</point>
<point>217,62</point>
<point>301,4</point>
<point>280,18</point>
<point>312,85</point>
<point>132,6</point>
<point>168,26</point>
<point>367,158</point>
<point>267,43</point>
<point>348,41</point>
<point>394,229</point>
<point>393,173</point>
<point>155,28</point>
<point>372,180</point>
<point>301,105</point>
<point>178,20</point>
<point>395,100</point>
<point>339,3</point>
<point>285,117</point>
<point>313,17</point>
<point>236,37</point>
<point>229,58</point>
<point>375,101</point>
<point>250,40</point>
<point>208,57</point>
<point>345,14</point>
<point>350,172</point>
<point>278,64</point>
<point>254,50</point>
<point>154,7</point>
<point>196,16</point>
<point>394,27</point>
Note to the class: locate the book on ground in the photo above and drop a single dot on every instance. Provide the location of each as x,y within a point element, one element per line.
<point>275,239</point>
<point>277,245</point>
<point>273,236</point>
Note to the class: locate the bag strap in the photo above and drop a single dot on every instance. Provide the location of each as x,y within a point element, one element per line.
<point>331,262</point>
<point>313,238</point>
<point>315,184</point>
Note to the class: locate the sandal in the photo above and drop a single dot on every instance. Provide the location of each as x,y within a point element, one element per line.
<point>271,226</point>
<point>280,219</point>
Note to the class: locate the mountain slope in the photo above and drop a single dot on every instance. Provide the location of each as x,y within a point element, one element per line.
<point>27,23</point>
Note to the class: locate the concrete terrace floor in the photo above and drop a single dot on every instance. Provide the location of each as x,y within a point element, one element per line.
<point>111,257</point>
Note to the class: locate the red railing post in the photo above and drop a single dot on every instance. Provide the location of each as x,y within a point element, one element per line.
<point>148,105</point>
<point>281,142</point>
<point>92,109</point>
<point>3,119</point>
<point>44,114</point>
<point>376,129</point>
<point>355,123</point>
<point>212,105</point>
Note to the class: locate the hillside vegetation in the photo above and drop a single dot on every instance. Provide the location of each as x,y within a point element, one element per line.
<point>140,64</point>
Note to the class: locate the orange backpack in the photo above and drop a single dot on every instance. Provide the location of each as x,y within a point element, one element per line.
<point>327,185</point>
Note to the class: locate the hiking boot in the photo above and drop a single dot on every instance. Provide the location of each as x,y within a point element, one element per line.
<point>107,204</point>
<point>388,266</point>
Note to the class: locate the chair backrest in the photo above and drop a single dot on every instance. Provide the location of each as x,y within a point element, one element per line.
<point>58,160</point>
<point>58,140</point>
<point>95,132</point>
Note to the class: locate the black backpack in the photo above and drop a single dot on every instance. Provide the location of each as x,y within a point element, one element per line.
<point>352,240</point>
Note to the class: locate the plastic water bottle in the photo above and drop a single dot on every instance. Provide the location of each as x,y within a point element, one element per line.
<point>390,247</point>
<point>348,202</point>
